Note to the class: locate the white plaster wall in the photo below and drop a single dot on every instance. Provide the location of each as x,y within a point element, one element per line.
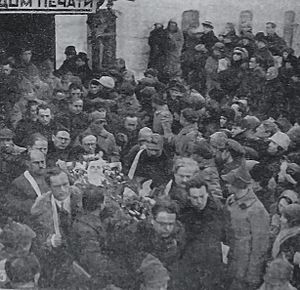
<point>135,20</point>
<point>70,30</point>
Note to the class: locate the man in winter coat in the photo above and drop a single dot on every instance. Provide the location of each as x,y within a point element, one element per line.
<point>276,44</point>
<point>162,236</point>
<point>189,133</point>
<point>262,50</point>
<point>105,140</point>
<point>53,214</point>
<point>249,232</point>
<point>75,120</point>
<point>27,187</point>
<point>201,263</point>
<point>208,37</point>
<point>157,45</point>
<point>151,163</point>
<point>174,44</point>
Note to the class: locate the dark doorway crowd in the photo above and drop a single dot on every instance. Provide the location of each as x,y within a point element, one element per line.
<point>186,179</point>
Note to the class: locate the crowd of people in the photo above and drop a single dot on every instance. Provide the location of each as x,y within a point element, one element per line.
<point>185,179</point>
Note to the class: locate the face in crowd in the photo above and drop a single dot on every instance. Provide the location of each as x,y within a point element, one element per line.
<point>26,56</point>
<point>273,148</point>
<point>131,123</point>
<point>44,116</point>
<point>6,142</point>
<point>198,197</point>
<point>76,106</point>
<point>60,186</point>
<point>89,144</point>
<point>6,69</point>
<point>40,145</point>
<point>61,140</point>
<point>164,223</point>
<point>183,175</point>
<point>76,93</point>
<point>37,163</point>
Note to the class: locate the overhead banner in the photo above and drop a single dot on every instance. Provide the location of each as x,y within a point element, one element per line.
<point>48,6</point>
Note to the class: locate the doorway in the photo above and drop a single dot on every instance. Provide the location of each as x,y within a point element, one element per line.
<point>37,30</point>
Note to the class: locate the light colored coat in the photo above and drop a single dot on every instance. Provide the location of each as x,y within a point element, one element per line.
<point>249,240</point>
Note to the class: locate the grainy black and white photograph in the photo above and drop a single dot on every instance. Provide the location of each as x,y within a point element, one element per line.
<point>150,144</point>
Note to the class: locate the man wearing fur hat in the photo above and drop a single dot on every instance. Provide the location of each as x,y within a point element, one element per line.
<point>248,232</point>
<point>53,214</point>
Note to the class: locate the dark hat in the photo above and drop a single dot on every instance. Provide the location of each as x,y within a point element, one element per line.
<point>6,133</point>
<point>83,56</point>
<point>25,47</point>
<point>96,115</point>
<point>284,124</point>
<point>208,24</point>
<point>228,113</point>
<point>247,35</point>
<point>70,50</point>
<point>127,89</point>
<point>239,177</point>
<point>242,51</point>
<point>235,146</point>
<point>190,115</point>
<point>260,36</point>
<point>203,149</point>
<point>148,92</point>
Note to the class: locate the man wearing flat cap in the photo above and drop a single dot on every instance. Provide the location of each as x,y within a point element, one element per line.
<point>208,37</point>
<point>248,233</point>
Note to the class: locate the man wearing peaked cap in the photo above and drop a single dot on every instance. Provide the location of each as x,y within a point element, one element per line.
<point>249,223</point>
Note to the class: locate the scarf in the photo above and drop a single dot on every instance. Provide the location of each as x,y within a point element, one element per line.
<point>33,183</point>
<point>134,164</point>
